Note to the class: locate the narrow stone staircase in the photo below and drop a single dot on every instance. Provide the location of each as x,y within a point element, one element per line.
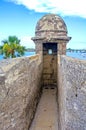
<point>46,117</point>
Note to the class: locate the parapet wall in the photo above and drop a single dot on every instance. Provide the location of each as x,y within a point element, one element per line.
<point>72,93</point>
<point>20,84</point>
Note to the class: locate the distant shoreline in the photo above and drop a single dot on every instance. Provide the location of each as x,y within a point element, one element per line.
<point>74,54</point>
<point>30,50</point>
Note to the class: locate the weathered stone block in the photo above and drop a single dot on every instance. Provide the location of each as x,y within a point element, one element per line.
<point>19,91</point>
<point>72,93</point>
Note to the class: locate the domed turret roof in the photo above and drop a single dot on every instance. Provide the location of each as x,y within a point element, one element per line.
<point>51,24</point>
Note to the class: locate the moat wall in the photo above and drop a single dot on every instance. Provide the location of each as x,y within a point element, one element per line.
<point>71,93</point>
<point>20,84</point>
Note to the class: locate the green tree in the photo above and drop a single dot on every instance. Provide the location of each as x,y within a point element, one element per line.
<point>12,48</point>
<point>1,49</point>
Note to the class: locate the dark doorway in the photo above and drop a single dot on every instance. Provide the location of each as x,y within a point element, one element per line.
<point>49,64</point>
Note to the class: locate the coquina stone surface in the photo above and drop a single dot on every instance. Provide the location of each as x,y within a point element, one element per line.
<point>51,28</point>
<point>20,83</point>
<point>51,25</point>
<point>72,93</point>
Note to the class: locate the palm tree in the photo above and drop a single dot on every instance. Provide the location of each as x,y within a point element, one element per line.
<point>12,48</point>
<point>1,50</point>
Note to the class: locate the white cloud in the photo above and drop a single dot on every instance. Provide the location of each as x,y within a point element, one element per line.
<point>27,42</point>
<point>64,7</point>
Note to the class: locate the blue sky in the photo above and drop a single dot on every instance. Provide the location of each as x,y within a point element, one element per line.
<point>19,17</point>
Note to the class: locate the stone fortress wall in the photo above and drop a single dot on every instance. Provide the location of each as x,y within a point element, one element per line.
<point>20,88</point>
<point>20,82</point>
<point>72,93</point>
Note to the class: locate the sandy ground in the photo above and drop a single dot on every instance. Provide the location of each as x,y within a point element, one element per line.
<point>46,117</point>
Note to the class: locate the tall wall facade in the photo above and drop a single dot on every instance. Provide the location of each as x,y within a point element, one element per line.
<point>20,84</point>
<point>71,93</point>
